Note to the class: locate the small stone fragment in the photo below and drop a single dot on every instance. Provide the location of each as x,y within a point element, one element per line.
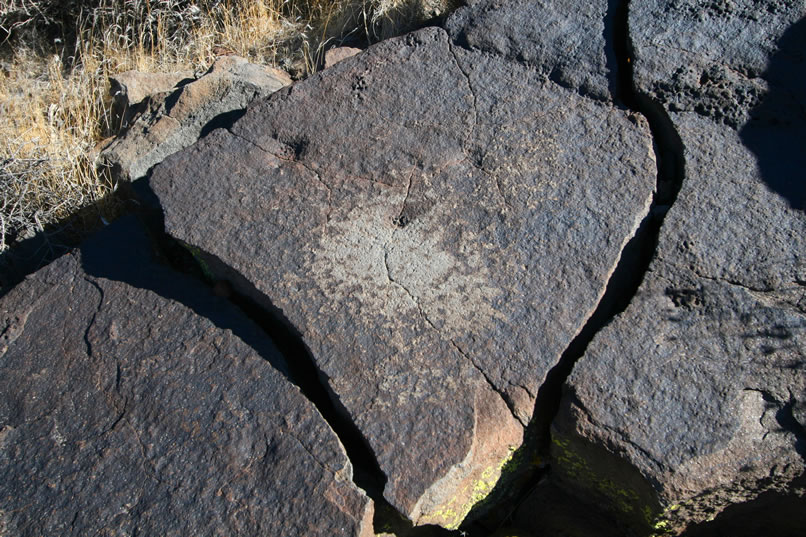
<point>174,120</point>
<point>337,54</point>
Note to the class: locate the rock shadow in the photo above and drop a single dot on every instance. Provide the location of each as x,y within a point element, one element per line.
<point>771,513</point>
<point>776,131</point>
<point>125,252</point>
<point>25,256</point>
<point>615,28</point>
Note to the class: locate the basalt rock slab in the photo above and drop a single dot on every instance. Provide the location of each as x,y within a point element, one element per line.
<point>692,399</point>
<point>129,405</point>
<point>436,224</point>
<point>568,41</point>
<point>173,120</point>
<point>709,57</point>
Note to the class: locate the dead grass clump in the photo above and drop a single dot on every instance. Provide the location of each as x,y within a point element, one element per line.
<point>48,130</point>
<point>54,109</point>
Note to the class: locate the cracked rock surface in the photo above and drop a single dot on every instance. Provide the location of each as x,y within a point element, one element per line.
<point>124,411</point>
<point>438,231</point>
<point>436,222</point>
<point>692,399</point>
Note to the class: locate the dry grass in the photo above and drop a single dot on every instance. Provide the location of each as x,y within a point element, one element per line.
<point>58,55</point>
<point>48,128</point>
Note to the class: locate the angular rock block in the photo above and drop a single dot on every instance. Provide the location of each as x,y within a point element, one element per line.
<point>693,398</point>
<point>436,223</point>
<point>173,120</point>
<point>132,90</point>
<point>127,408</point>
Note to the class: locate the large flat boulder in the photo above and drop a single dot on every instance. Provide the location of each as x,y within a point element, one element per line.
<point>128,404</point>
<point>436,223</point>
<point>693,399</point>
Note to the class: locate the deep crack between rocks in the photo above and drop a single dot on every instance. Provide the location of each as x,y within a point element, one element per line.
<point>639,251</point>
<point>622,285</point>
<point>634,259</point>
<point>312,383</point>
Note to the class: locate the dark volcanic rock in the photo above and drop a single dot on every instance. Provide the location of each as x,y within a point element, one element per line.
<point>691,400</point>
<point>692,395</point>
<point>122,411</point>
<point>564,40</point>
<point>437,224</point>
<point>708,57</point>
<point>132,90</point>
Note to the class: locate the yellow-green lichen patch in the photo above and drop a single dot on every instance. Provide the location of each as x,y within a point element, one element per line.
<point>451,514</point>
<point>626,500</point>
<point>197,256</point>
<point>662,524</point>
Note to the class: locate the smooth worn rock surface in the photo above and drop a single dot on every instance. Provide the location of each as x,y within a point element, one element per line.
<point>437,224</point>
<point>337,54</point>
<point>174,120</point>
<point>692,399</point>
<point>129,406</point>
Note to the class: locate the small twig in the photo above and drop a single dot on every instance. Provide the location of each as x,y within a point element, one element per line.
<point>2,233</point>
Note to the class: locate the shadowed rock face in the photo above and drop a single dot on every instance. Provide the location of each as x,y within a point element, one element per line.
<point>692,399</point>
<point>123,411</point>
<point>437,223</point>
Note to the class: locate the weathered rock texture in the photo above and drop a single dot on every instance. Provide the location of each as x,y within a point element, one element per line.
<point>437,223</point>
<point>693,398</point>
<point>565,41</point>
<point>131,91</point>
<point>125,411</point>
<point>173,120</point>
